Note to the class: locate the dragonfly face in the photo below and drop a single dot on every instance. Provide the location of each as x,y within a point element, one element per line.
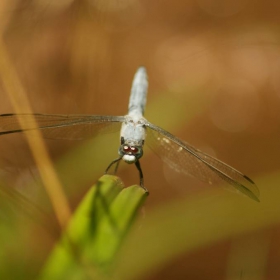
<point>130,153</point>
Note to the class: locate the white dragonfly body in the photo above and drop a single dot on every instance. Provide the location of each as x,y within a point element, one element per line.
<point>133,131</point>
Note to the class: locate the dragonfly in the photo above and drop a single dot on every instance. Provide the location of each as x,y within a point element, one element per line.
<point>135,131</point>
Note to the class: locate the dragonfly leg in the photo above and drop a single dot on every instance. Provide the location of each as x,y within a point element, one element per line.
<point>137,164</point>
<point>112,163</point>
<point>117,166</point>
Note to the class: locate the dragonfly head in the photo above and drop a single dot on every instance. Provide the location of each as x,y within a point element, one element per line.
<point>129,153</point>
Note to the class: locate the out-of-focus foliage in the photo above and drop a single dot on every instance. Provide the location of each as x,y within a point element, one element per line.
<point>89,245</point>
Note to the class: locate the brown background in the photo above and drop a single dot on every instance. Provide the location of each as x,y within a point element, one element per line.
<point>218,61</point>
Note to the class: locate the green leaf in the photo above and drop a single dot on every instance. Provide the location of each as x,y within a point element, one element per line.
<point>96,231</point>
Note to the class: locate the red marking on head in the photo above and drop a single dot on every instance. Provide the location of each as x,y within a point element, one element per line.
<point>126,148</point>
<point>130,149</point>
<point>134,150</point>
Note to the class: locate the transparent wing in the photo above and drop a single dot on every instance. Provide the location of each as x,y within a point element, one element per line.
<point>75,127</point>
<point>184,158</point>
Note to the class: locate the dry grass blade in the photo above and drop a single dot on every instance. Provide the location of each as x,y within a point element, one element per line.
<point>19,100</point>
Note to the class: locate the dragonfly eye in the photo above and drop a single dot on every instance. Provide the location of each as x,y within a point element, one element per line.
<point>133,150</point>
<point>126,148</point>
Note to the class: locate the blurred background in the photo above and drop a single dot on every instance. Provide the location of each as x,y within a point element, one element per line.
<point>214,81</point>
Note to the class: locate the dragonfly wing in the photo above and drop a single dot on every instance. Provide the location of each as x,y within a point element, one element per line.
<point>184,158</point>
<point>73,127</point>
